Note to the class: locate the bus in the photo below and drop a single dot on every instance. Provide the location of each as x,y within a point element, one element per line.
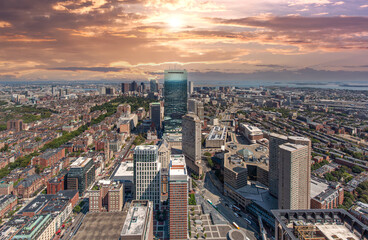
<point>236,225</point>
<point>209,201</point>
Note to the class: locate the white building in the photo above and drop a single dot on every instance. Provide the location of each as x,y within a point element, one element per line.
<point>147,174</point>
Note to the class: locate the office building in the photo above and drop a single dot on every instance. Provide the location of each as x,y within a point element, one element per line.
<point>138,224</point>
<point>196,107</point>
<point>316,224</point>
<point>178,198</point>
<point>110,91</point>
<point>293,182</point>
<point>155,115</point>
<point>176,96</point>
<point>252,133</point>
<point>125,175</point>
<point>191,87</point>
<point>153,85</point>
<point>216,138</point>
<point>275,141</point>
<point>133,86</point>
<point>164,153</point>
<point>81,175</point>
<point>125,88</point>
<point>147,174</point>
<point>191,141</point>
<point>106,196</point>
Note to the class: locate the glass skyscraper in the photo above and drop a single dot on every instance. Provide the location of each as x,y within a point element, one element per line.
<point>175,95</point>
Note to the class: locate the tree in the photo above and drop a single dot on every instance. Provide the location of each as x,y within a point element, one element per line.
<point>77,209</point>
<point>357,169</point>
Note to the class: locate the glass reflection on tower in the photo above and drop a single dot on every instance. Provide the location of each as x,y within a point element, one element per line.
<point>175,95</point>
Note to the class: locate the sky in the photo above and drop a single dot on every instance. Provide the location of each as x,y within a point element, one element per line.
<point>222,40</point>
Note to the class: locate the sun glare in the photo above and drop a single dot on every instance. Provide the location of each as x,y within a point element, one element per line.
<point>175,22</point>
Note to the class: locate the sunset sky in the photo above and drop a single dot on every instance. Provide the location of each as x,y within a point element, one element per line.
<point>213,40</point>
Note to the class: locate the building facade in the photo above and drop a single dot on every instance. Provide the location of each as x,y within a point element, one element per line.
<point>81,175</point>
<point>147,174</point>
<point>294,185</point>
<point>155,115</point>
<point>191,141</point>
<point>175,95</point>
<point>178,198</point>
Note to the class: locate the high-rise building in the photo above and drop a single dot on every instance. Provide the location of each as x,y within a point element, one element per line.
<point>143,87</point>
<point>196,107</point>
<point>191,87</point>
<point>81,174</point>
<point>147,174</point>
<point>155,114</point>
<point>53,90</point>
<point>153,85</point>
<point>293,180</point>
<point>164,153</point>
<point>175,95</point>
<point>178,198</point>
<point>274,161</point>
<point>191,141</point>
<point>125,88</point>
<point>134,86</point>
<point>110,91</point>
<point>274,142</point>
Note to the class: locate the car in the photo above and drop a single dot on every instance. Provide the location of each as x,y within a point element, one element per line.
<point>226,205</point>
<point>236,215</point>
<point>240,215</point>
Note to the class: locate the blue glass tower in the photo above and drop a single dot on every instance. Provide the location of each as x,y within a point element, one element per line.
<point>176,96</point>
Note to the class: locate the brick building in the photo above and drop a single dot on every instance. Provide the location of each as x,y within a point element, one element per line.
<point>49,158</point>
<point>27,187</point>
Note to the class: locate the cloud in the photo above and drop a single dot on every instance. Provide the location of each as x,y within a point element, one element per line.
<point>364,6</point>
<point>93,69</point>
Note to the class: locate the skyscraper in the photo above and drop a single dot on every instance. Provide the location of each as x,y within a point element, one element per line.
<point>125,88</point>
<point>155,114</point>
<point>147,174</point>
<point>191,87</point>
<point>275,141</point>
<point>178,198</point>
<point>293,181</point>
<point>175,95</point>
<point>196,107</point>
<point>191,141</point>
<point>153,85</point>
<point>134,86</point>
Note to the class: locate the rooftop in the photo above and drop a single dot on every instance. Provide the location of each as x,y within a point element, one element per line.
<point>103,225</point>
<point>217,133</point>
<point>317,187</point>
<point>291,146</point>
<point>177,165</point>
<point>136,218</point>
<point>80,162</point>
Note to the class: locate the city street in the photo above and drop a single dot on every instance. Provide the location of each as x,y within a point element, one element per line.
<point>209,191</point>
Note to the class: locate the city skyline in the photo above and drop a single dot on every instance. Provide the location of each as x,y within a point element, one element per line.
<point>215,40</point>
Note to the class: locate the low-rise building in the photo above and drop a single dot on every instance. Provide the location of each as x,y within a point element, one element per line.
<point>7,203</point>
<point>139,221</point>
<point>325,195</point>
<point>49,158</point>
<point>216,138</point>
<point>252,133</point>
<point>27,187</point>
<point>40,227</point>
